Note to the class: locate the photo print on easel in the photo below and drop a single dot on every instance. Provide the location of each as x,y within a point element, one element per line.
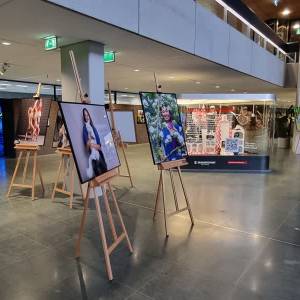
<point>60,136</point>
<point>32,120</point>
<point>164,126</point>
<point>90,138</point>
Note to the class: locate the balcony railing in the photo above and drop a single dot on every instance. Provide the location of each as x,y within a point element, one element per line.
<point>234,19</point>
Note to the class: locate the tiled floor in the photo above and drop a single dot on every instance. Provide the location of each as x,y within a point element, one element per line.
<point>245,243</point>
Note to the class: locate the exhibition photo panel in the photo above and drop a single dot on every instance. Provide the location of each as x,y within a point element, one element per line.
<point>32,117</point>
<point>90,138</point>
<point>60,136</point>
<point>164,126</point>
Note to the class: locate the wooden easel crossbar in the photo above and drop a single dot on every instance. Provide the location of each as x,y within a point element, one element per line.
<point>170,167</point>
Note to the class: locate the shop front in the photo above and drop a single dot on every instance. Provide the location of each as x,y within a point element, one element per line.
<point>232,132</point>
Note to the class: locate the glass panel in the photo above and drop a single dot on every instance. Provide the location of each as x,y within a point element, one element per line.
<point>227,129</point>
<point>213,6</point>
<point>128,98</point>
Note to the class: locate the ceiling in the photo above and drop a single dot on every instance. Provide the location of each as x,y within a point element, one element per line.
<point>265,9</point>
<point>25,23</point>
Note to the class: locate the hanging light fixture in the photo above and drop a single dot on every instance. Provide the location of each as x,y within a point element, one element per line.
<point>276,2</point>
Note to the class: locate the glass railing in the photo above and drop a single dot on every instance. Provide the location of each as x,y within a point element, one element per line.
<point>231,17</point>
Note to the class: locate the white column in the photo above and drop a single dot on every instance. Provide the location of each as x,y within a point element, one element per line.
<point>90,64</point>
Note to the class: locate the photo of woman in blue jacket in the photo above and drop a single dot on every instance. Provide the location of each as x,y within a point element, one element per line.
<point>91,139</point>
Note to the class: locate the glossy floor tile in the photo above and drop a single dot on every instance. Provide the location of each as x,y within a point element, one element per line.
<point>245,243</point>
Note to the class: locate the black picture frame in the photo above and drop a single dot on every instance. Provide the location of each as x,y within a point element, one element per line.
<point>70,139</point>
<point>146,122</point>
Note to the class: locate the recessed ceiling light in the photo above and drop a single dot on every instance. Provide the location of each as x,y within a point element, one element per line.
<point>171,77</point>
<point>286,12</point>
<point>296,26</point>
<point>217,86</point>
<point>58,80</point>
<point>6,43</point>
<point>21,85</point>
<point>198,82</point>
<point>125,88</point>
<point>232,90</point>
<point>136,70</point>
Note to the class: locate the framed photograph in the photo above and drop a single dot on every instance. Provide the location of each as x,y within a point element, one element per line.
<point>60,136</point>
<point>32,120</point>
<point>165,131</point>
<point>90,138</point>
<point>140,119</point>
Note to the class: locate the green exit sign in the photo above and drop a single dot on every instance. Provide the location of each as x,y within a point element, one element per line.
<point>298,31</point>
<point>109,57</point>
<point>50,42</point>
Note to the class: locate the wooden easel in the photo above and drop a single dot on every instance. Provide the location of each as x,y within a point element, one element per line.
<point>117,137</point>
<point>27,149</point>
<point>171,166</point>
<point>103,181</point>
<point>66,166</point>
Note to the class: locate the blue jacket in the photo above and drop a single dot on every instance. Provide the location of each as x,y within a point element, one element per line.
<point>85,135</point>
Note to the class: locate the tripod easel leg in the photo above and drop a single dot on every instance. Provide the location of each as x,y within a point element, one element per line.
<point>126,162</point>
<point>57,177</point>
<point>174,190</point>
<point>103,236</point>
<point>157,196</point>
<point>110,218</point>
<point>163,200</point>
<point>15,173</point>
<point>82,223</point>
<point>185,196</point>
<point>25,167</point>
<point>33,175</point>
<point>72,178</point>
<point>120,217</point>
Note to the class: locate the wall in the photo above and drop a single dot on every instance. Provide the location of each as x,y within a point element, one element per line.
<point>188,26</point>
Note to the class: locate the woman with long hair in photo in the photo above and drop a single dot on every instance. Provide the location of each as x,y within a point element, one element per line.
<point>171,134</point>
<point>91,139</point>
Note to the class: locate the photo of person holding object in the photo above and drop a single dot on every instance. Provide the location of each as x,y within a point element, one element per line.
<point>91,139</point>
<point>89,134</point>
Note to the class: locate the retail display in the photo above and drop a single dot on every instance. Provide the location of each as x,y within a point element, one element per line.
<point>164,126</point>
<point>229,127</point>
<point>32,120</point>
<point>91,139</point>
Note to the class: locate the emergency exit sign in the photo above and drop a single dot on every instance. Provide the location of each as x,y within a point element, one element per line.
<point>109,56</point>
<point>50,42</point>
